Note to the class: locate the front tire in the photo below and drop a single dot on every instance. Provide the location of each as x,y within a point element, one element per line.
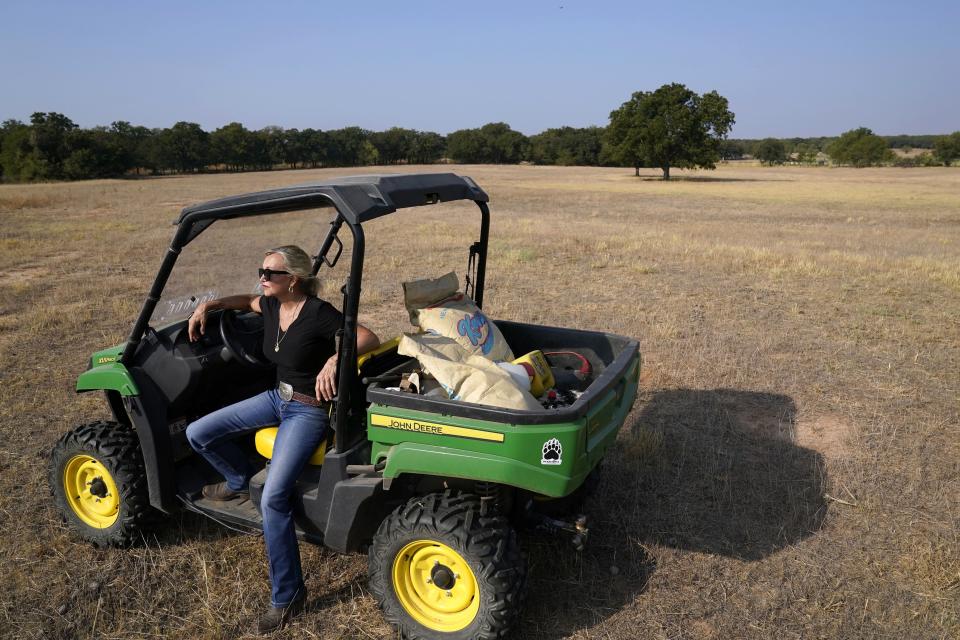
<point>441,570</point>
<point>99,485</point>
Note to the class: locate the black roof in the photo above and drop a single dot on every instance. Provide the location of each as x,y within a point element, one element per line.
<point>358,198</point>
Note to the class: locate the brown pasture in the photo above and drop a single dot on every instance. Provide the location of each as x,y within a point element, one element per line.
<point>791,468</point>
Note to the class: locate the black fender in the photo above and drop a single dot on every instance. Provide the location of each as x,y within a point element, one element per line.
<point>148,416</point>
<point>356,511</point>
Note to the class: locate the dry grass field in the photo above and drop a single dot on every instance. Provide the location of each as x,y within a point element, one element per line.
<point>791,468</point>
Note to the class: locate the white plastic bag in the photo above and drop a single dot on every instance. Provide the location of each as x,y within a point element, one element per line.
<point>465,376</point>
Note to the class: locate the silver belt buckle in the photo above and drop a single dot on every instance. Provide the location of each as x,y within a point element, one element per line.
<point>285,391</point>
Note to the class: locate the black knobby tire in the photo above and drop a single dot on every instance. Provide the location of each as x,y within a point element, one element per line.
<point>117,449</point>
<point>487,543</point>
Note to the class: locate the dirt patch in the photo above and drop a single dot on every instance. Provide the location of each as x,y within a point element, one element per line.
<point>17,277</point>
<point>18,199</point>
<point>703,629</point>
<point>25,273</point>
<point>828,434</point>
<point>646,376</point>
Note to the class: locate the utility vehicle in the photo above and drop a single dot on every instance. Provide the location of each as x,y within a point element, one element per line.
<point>432,489</point>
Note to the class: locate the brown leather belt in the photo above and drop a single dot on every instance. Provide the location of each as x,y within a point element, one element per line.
<point>287,394</point>
<point>305,399</point>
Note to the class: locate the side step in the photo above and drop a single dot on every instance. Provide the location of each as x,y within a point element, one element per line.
<point>242,512</point>
<point>239,511</point>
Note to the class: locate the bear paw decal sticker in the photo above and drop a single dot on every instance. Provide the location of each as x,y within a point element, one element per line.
<point>552,452</point>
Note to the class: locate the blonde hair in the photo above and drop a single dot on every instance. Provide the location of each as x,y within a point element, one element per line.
<point>298,263</point>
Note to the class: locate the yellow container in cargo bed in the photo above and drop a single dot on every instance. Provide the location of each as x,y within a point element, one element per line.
<point>541,378</point>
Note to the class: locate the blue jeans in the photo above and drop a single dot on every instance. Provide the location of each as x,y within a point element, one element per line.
<point>302,428</point>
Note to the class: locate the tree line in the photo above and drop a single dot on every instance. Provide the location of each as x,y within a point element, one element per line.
<point>669,127</point>
<point>858,148</point>
<point>53,147</point>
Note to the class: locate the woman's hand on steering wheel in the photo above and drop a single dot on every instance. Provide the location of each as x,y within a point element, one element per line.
<point>197,324</point>
<point>326,380</point>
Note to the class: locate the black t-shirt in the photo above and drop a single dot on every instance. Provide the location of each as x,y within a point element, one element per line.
<point>306,345</point>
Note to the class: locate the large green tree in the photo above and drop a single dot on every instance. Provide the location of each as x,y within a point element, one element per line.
<point>350,147</point>
<point>732,149</point>
<point>806,153</point>
<point>262,147</point>
<point>771,151</point>
<point>494,142</point>
<point>95,153</point>
<point>232,146</point>
<point>49,134</point>
<point>273,146</point>
<point>503,144</point>
<point>467,145</point>
<point>670,127</point>
<point>149,153</point>
<point>16,151</point>
<point>946,149</point>
<point>427,147</point>
<point>184,147</point>
<point>567,146</point>
<point>859,148</point>
<point>129,140</point>
<point>293,149</point>
<point>314,146</point>
<point>394,145</point>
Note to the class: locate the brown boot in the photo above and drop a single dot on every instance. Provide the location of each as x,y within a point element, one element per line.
<point>220,492</point>
<point>277,617</point>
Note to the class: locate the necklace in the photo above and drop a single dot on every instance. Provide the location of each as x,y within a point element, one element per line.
<point>276,343</point>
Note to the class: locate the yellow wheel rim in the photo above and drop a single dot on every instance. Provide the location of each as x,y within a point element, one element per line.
<point>91,491</point>
<point>436,586</point>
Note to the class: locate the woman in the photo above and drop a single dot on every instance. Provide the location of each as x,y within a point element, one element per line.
<point>299,331</point>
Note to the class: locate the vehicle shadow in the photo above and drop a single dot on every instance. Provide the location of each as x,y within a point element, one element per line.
<point>718,471</point>
<point>659,178</point>
<point>713,471</point>
<point>569,591</point>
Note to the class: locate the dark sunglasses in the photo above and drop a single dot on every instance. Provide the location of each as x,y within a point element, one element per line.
<point>269,273</point>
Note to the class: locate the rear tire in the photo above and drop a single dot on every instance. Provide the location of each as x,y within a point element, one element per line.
<point>441,570</point>
<point>99,485</point>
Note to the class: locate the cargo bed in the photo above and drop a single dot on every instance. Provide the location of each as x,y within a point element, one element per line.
<point>505,445</point>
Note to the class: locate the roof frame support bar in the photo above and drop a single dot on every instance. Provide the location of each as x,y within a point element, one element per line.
<point>482,255</point>
<point>347,353</point>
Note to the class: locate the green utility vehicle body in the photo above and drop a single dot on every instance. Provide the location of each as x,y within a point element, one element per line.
<point>402,436</point>
<point>403,476</point>
<point>106,374</point>
<point>428,442</point>
<point>411,441</point>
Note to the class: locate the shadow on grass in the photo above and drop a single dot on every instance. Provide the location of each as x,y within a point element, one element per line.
<point>718,472</point>
<point>569,592</point>
<point>715,472</point>
<point>658,178</point>
<point>187,527</point>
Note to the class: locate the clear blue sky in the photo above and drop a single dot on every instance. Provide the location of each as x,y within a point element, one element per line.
<point>789,69</point>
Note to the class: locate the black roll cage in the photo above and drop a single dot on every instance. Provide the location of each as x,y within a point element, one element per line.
<point>357,200</point>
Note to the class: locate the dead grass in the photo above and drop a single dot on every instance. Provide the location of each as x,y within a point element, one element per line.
<point>790,469</point>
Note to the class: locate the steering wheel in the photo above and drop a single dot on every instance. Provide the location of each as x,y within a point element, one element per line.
<point>243,338</point>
